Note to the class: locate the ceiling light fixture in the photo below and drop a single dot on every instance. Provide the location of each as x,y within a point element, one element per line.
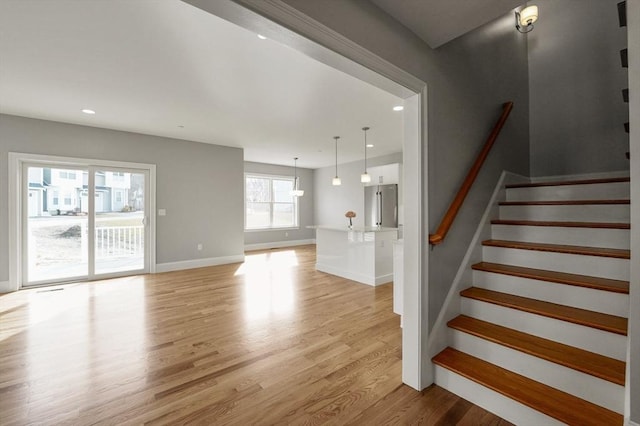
<point>88,111</point>
<point>336,180</point>
<point>398,108</point>
<point>365,177</point>
<point>369,145</point>
<point>296,192</point>
<point>525,19</point>
<point>261,37</point>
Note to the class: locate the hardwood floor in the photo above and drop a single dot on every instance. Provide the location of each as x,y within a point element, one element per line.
<point>270,341</point>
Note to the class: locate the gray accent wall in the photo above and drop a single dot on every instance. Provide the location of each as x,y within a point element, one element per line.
<point>305,206</point>
<point>575,83</point>
<point>468,80</point>
<point>199,185</point>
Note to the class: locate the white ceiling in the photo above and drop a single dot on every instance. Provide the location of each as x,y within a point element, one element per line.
<point>152,66</point>
<point>440,21</point>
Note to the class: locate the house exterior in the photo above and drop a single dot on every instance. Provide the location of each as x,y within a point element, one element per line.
<point>61,191</point>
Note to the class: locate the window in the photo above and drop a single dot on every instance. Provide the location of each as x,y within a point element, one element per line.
<point>269,203</point>
<point>56,198</point>
<point>67,175</point>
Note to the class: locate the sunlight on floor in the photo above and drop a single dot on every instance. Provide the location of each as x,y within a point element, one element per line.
<point>268,284</point>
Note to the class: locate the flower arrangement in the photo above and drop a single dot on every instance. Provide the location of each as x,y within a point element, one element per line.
<point>350,214</point>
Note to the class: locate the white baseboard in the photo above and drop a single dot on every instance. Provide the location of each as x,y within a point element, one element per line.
<point>6,287</point>
<point>278,244</point>
<point>630,423</point>
<point>198,263</point>
<point>583,176</point>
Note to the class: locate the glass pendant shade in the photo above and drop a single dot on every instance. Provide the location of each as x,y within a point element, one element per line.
<point>336,180</point>
<point>528,15</point>
<point>365,178</point>
<point>296,191</point>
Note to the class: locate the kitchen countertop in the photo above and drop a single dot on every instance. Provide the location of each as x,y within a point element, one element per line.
<point>353,229</point>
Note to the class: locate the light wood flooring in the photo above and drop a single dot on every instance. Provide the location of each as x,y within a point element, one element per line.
<point>270,341</point>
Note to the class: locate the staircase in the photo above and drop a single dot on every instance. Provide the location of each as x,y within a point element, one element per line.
<point>542,335</point>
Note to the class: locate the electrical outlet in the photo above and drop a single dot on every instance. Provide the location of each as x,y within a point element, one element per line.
<point>199,246</point>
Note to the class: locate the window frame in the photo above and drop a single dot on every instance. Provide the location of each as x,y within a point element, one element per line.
<point>271,177</point>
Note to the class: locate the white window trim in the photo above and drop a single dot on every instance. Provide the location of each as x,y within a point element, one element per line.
<point>296,204</point>
<point>16,162</point>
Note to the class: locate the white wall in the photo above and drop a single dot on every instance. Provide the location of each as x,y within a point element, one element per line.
<point>199,185</point>
<point>305,206</point>
<point>575,83</point>
<point>332,202</point>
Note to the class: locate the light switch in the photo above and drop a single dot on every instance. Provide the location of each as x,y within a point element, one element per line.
<point>162,212</point>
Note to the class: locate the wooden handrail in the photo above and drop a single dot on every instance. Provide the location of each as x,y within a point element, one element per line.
<point>448,218</point>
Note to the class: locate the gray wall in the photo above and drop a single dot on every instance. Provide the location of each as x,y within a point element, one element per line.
<point>468,80</point>
<point>200,185</point>
<point>575,79</point>
<point>305,206</point>
<point>332,202</point>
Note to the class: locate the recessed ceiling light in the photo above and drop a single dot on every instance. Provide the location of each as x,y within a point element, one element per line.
<point>261,37</point>
<point>398,108</point>
<point>369,145</point>
<point>88,111</point>
<point>181,126</point>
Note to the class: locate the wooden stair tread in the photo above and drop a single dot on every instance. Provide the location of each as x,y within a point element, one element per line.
<point>605,284</point>
<point>559,248</point>
<point>610,323</point>
<point>568,182</point>
<point>563,202</point>
<point>545,399</point>
<point>603,225</point>
<point>590,363</point>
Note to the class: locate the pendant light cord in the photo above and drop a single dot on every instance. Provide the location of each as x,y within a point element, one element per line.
<point>336,138</point>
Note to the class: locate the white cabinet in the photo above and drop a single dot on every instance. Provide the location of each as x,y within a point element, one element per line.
<point>382,175</point>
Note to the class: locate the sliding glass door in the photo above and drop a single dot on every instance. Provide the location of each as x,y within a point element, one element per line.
<point>83,223</point>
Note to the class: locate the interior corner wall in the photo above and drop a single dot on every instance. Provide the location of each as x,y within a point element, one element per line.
<point>199,185</point>
<point>305,206</point>
<point>575,83</point>
<point>468,80</point>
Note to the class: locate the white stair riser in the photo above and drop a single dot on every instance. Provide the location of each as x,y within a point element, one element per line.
<point>606,302</point>
<point>593,389</point>
<point>490,400</point>
<point>569,213</point>
<point>588,237</point>
<point>597,266</point>
<point>587,338</point>
<point>596,191</point>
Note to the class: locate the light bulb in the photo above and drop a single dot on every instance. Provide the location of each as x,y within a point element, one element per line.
<point>365,178</point>
<point>336,181</point>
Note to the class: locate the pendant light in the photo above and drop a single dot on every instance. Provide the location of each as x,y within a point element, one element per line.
<point>296,192</point>
<point>365,177</point>
<point>336,180</point>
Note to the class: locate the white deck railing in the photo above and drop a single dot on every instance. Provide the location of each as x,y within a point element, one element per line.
<point>119,241</point>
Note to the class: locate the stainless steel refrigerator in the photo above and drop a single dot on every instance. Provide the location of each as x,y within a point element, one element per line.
<point>381,205</point>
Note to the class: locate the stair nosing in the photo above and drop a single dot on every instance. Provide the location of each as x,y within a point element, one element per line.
<point>578,353</point>
<point>524,304</point>
<point>561,224</point>
<point>510,392</point>
<point>565,202</point>
<point>560,277</point>
<point>560,248</point>
<point>568,182</point>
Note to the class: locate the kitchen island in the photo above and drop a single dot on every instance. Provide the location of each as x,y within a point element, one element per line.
<point>362,254</point>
